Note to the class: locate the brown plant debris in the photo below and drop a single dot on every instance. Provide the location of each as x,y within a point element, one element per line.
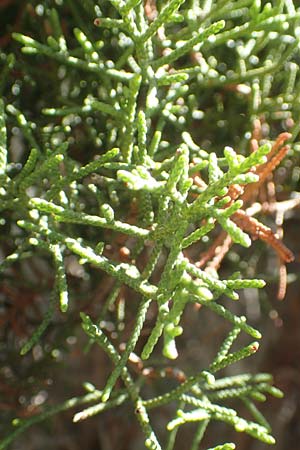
<point>257,197</point>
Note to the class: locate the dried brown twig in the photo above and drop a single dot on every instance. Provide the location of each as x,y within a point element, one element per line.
<point>212,258</point>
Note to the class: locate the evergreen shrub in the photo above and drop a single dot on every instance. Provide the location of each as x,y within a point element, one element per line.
<point>137,145</point>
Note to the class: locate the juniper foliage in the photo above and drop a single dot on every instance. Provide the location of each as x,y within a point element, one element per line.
<point>142,122</point>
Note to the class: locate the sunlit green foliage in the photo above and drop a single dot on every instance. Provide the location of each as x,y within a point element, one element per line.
<point>152,98</point>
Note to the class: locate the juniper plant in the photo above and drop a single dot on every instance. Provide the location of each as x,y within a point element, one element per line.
<point>175,107</point>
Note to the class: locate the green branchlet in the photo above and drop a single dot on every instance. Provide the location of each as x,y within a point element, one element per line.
<point>138,111</point>
<point>3,143</point>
